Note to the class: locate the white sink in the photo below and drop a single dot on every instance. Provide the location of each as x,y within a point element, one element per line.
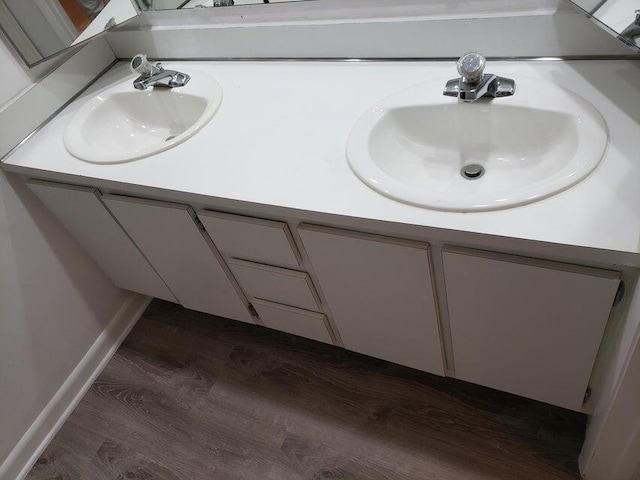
<point>121,124</point>
<point>413,146</point>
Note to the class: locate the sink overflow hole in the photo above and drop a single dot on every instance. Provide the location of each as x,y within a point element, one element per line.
<point>170,137</point>
<point>472,171</point>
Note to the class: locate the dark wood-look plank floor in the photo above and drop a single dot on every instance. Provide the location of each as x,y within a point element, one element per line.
<point>191,396</point>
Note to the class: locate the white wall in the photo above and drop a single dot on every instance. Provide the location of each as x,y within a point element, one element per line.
<point>35,102</point>
<point>54,300</point>
<point>616,455</point>
<point>619,14</point>
<point>368,29</point>
<point>616,417</point>
<point>587,5</point>
<point>119,11</point>
<point>16,75</point>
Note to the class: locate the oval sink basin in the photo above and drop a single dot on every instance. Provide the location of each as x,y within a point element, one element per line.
<point>423,148</point>
<point>121,124</point>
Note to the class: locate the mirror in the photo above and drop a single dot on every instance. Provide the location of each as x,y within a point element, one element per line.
<point>40,29</point>
<point>182,4</point>
<point>619,17</point>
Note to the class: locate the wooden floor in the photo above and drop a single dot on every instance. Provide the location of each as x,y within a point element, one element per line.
<point>191,396</point>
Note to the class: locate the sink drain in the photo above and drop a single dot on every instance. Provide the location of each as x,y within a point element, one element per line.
<point>472,171</point>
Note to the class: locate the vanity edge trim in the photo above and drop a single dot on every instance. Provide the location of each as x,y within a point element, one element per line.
<point>437,237</point>
<point>564,58</point>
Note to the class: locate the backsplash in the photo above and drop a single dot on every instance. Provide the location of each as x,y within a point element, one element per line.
<point>322,29</point>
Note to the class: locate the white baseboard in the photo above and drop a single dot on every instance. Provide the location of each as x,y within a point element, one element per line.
<point>44,428</point>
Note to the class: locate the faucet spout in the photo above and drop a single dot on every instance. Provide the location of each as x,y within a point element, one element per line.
<point>154,75</point>
<point>474,84</point>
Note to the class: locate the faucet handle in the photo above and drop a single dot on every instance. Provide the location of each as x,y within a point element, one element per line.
<point>142,66</point>
<point>471,66</point>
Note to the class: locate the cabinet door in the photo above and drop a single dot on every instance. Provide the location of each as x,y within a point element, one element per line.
<point>380,294</point>
<point>528,327</point>
<point>182,254</point>
<point>81,211</point>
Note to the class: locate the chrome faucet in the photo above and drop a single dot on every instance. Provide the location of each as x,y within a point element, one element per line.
<point>474,83</point>
<point>154,75</point>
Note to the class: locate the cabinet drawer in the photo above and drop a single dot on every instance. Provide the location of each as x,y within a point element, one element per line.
<point>255,239</point>
<point>276,284</point>
<point>293,320</point>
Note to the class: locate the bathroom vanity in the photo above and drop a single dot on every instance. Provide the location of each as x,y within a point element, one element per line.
<point>259,218</point>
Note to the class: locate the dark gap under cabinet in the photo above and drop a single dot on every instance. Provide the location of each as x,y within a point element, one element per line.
<point>193,396</point>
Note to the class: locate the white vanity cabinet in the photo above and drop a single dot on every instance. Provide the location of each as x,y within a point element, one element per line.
<point>380,293</point>
<point>82,212</point>
<point>183,255</point>
<point>524,326</point>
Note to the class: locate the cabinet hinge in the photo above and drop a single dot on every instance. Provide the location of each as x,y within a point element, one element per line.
<point>254,312</point>
<point>619,294</point>
<point>587,395</point>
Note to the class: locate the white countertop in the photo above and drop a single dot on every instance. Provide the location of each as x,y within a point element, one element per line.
<point>279,139</point>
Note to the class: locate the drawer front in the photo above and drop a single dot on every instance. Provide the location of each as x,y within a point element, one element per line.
<point>275,284</point>
<point>293,320</point>
<point>255,239</point>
